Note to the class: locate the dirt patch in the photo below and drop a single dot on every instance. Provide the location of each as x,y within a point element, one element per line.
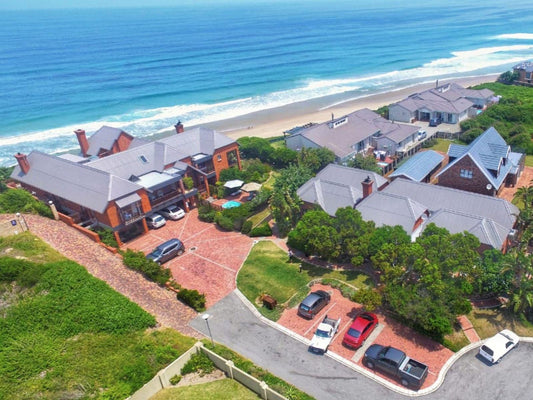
<point>195,378</point>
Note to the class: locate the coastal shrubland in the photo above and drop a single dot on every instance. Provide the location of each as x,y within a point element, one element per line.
<point>19,200</point>
<point>511,117</point>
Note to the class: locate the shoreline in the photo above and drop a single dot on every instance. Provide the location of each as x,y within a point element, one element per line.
<point>273,122</point>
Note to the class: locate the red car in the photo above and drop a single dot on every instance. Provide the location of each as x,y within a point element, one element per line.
<point>361,328</point>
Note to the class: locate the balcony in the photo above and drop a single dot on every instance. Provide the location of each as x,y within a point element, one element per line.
<point>174,195</point>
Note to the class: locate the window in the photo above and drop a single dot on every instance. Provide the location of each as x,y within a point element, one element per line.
<point>466,173</point>
<point>219,157</point>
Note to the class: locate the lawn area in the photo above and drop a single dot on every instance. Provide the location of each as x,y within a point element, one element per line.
<point>442,145</point>
<point>529,161</point>
<point>267,270</point>
<point>66,334</point>
<point>224,389</point>
<point>259,217</point>
<point>489,322</point>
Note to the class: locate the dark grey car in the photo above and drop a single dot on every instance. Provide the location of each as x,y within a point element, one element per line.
<point>313,303</point>
<point>166,251</point>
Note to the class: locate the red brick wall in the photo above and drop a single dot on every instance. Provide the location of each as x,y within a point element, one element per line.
<point>223,162</point>
<point>477,184</point>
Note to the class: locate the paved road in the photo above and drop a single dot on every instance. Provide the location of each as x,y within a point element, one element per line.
<point>233,325</point>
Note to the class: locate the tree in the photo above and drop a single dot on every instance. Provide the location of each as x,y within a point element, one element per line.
<point>368,163</point>
<point>255,147</point>
<point>354,234</point>
<point>315,159</point>
<point>315,234</point>
<point>387,234</point>
<point>284,202</point>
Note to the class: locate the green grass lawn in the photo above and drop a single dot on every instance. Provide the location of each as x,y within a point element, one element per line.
<point>66,334</point>
<point>529,161</point>
<point>489,322</point>
<point>224,389</point>
<point>443,145</point>
<point>259,217</point>
<point>267,270</point>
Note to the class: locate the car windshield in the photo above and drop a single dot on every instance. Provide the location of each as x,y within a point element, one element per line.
<point>354,333</point>
<point>157,252</point>
<point>321,333</point>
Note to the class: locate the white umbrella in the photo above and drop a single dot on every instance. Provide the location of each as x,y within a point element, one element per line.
<point>251,187</point>
<point>234,184</point>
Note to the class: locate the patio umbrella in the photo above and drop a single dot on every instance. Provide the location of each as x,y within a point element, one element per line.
<point>251,187</point>
<point>233,184</point>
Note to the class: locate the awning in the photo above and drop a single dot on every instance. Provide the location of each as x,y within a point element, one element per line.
<point>130,199</point>
<point>234,184</point>
<point>251,187</point>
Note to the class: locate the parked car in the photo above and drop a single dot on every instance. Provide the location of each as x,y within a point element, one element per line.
<point>362,326</point>
<point>435,121</point>
<point>396,363</point>
<point>499,345</point>
<point>313,303</point>
<point>167,251</point>
<point>324,335</point>
<point>155,221</point>
<point>172,212</point>
<point>422,134</point>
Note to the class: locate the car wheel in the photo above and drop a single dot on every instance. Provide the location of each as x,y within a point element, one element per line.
<point>370,364</point>
<point>180,252</point>
<point>405,383</point>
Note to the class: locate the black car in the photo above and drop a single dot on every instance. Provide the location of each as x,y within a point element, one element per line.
<point>313,303</point>
<point>435,121</point>
<point>167,251</point>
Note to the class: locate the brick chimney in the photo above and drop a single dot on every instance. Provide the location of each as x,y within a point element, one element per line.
<point>23,162</point>
<point>179,127</point>
<point>82,140</point>
<point>367,187</point>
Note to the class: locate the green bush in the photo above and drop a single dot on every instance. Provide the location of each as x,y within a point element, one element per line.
<point>206,213</point>
<point>137,261</point>
<point>192,298</point>
<point>175,379</point>
<point>199,363</point>
<point>247,227</point>
<point>223,221</point>
<point>107,237</point>
<point>19,200</point>
<point>188,182</point>
<point>261,230</point>
<point>369,298</point>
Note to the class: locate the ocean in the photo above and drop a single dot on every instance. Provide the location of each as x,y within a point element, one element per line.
<point>143,69</point>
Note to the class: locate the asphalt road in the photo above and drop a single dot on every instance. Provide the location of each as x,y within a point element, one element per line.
<point>233,325</point>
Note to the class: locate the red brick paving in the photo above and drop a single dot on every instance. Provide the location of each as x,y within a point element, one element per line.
<point>525,178</point>
<point>212,258</point>
<point>108,267</point>
<point>468,329</point>
<point>417,346</point>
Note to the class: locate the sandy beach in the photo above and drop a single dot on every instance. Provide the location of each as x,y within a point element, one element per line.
<point>274,122</point>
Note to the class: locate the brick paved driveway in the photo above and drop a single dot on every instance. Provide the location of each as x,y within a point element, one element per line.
<point>212,257</point>
<point>388,332</point>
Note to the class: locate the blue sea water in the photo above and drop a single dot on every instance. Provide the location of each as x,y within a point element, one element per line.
<point>142,69</point>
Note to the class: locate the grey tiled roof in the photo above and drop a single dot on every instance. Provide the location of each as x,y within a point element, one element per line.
<point>488,218</point>
<point>198,140</point>
<point>389,209</point>
<point>488,151</point>
<point>78,183</point>
<point>103,138</point>
<point>419,165</point>
<point>337,186</point>
<point>526,66</point>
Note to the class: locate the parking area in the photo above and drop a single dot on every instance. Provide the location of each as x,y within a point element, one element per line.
<point>388,332</point>
<point>212,257</point>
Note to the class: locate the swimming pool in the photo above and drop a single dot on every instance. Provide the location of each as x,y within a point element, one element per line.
<point>231,204</point>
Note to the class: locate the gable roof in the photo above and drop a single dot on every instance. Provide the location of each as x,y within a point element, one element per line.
<point>78,183</point>
<point>197,141</point>
<point>390,209</point>
<point>419,165</point>
<point>104,138</point>
<point>490,153</point>
<point>337,186</point>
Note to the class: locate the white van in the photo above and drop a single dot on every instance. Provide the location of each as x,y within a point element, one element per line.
<point>499,345</point>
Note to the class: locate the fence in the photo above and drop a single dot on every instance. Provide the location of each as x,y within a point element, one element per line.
<point>162,379</point>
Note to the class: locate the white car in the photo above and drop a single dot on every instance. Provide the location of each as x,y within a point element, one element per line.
<point>173,212</point>
<point>324,335</point>
<point>155,221</point>
<point>499,345</point>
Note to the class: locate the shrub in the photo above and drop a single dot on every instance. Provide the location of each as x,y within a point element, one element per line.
<point>175,379</point>
<point>137,261</point>
<point>107,237</point>
<point>369,298</point>
<point>247,227</point>
<point>261,230</point>
<point>188,182</point>
<point>224,222</point>
<point>19,200</point>
<point>192,298</point>
<point>200,363</point>
<point>206,213</point>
